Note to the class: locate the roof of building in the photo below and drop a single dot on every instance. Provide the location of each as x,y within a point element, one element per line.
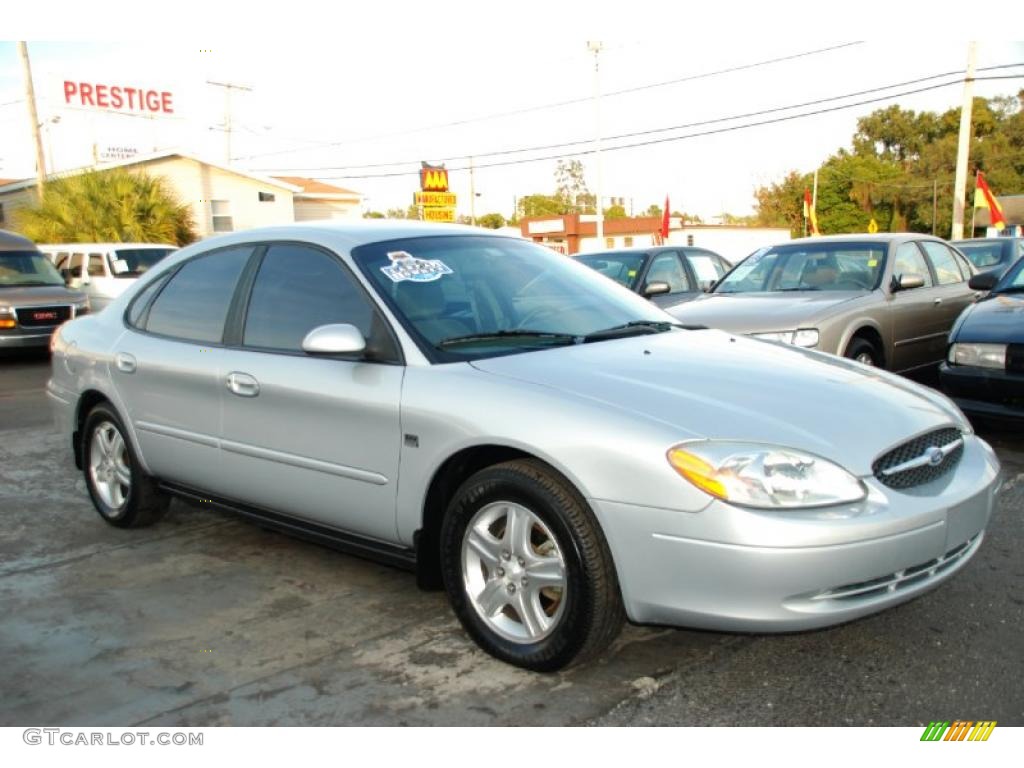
<point>153,157</point>
<point>1013,211</point>
<point>314,188</point>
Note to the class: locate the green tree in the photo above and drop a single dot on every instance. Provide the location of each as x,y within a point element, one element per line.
<point>615,212</point>
<point>491,221</point>
<point>111,206</point>
<point>571,188</point>
<point>373,215</point>
<point>541,205</point>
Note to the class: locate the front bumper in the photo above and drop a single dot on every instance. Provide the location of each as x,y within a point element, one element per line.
<point>17,338</point>
<point>734,569</point>
<point>984,391</point>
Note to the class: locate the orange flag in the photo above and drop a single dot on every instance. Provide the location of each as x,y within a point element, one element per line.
<point>983,198</point>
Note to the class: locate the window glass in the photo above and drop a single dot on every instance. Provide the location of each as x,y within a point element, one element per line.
<point>809,266</point>
<point>666,268</point>
<point>946,270</point>
<point>910,261</point>
<point>27,268</point>
<point>139,260</point>
<point>77,261</point>
<point>621,267</point>
<point>297,289</point>
<point>195,302</point>
<point>705,266</point>
<point>221,212</point>
<point>983,254</point>
<point>140,302</point>
<point>96,265</point>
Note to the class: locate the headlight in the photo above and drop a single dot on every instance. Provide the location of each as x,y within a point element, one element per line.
<point>764,476</point>
<point>803,337</point>
<point>979,355</point>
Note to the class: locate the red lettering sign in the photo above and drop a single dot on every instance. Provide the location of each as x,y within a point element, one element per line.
<point>119,97</point>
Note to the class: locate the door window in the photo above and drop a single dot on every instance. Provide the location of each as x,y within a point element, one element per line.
<point>77,261</point>
<point>666,268</point>
<point>96,265</point>
<point>910,261</point>
<point>195,302</point>
<point>299,288</point>
<point>946,270</point>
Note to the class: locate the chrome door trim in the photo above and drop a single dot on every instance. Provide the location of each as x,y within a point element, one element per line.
<point>302,462</point>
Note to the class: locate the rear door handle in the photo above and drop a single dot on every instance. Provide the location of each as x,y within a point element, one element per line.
<point>936,302</point>
<point>242,384</point>
<point>125,362</point>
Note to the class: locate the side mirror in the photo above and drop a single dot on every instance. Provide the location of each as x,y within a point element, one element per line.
<point>119,266</point>
<point>657,288</point>
<point>708,285</point>
<point>908,282</point>
<point>335,339</point>
<point>983,281</point>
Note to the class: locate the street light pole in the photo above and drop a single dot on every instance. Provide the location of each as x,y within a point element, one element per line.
<point>595,46</point>
<point>963,147</point>
<point>30,97</point>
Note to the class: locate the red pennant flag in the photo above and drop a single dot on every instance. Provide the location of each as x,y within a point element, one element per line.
<point>809,213</point>
<point>664,221</point>
<point>983,198</point>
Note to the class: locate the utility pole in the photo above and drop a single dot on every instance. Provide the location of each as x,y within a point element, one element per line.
<point>472,194</point>
<point>964,146</point>
<point>228,87</point>
<point>595,46</point>
<point>33,116</point>
<point>935,202</point>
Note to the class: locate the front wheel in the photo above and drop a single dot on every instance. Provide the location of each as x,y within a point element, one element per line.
<point>527,569</point>
<point>121,492</point>
<point>863,351</point>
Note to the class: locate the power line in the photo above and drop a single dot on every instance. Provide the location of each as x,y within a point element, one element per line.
<point>727,129</point>
<point>633,134</point>
<point>554,105</point>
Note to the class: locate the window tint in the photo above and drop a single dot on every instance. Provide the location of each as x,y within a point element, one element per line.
<point>983,254</point>
<point>946,270</point>
<point>195,302</point>
<point>141,302</point>
<point>297,289</point>
<point>96,265</point>
<point>77,261</point>
<point>666,268</point>
<point>910,261</point>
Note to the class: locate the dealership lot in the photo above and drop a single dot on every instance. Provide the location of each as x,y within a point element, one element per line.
<point>204,619</point>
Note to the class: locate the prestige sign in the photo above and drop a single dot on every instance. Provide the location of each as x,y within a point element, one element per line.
<point>119,97</point>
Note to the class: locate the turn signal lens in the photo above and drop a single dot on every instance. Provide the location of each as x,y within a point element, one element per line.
<point>6,323</point>
<point>697,471</point>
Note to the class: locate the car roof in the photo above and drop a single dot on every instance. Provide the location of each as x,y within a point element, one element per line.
<point>860,237</point>
<point>647,249</point>
<point>973,240</point>
<point>9,241</point>
<point>353,233</point>
<point>87,246</point>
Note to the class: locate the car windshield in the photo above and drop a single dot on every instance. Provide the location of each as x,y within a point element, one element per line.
<point>467,296</point>
<point>808,267</point>
<point>26,268</point>
<point>138,259</point>
<point>1013,280</point>
<point>624,268</point>
<point>982,254</point>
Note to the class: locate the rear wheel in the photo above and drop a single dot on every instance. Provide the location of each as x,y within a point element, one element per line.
<point>863,351</point>
<point>121,492</point>
<point>527,569</point>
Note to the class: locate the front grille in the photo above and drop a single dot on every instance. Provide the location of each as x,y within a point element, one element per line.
<point>35,317</point>
<point>916,462</point>
<point>1015,358</point>
<point>908,577</point>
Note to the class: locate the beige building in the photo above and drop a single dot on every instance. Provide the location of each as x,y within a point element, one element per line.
<point>222,199</point>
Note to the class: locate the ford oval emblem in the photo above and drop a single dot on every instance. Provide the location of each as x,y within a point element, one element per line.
<point>935,456</point>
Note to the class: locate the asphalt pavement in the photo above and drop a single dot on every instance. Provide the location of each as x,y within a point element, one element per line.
<point>207,620</point>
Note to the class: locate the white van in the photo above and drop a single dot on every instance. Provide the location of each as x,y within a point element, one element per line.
<point>104,270</point>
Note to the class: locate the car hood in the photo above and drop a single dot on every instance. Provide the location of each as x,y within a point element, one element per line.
<point>998,318</point>
<point>762,312</point>
<point>711,385</point>
<point>38,295</point>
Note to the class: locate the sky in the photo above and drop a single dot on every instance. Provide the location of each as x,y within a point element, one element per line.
<point>333,88</point>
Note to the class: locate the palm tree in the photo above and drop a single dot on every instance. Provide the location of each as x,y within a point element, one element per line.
<point>111,206</point>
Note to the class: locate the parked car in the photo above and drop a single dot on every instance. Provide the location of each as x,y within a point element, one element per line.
<point>104,270</point>
<point>883,300</point>
<point>667,275</point>
<point>568,455</point>
<point>33,297</point>
<point>990,253</point>
<point>984,368</point>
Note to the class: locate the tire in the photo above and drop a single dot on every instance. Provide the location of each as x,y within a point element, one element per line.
<point>121,492</point>
<point>510,529</point>
<point>863,351</point>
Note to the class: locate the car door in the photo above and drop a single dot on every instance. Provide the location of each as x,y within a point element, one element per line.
<point>167,366</point>
<point>314,437</point>
<point>707,268</point>
<point>917,325</point>
<point>666,267</point>
<point>952,294</point>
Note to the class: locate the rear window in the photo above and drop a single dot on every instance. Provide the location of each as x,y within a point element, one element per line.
<point>982,254</point>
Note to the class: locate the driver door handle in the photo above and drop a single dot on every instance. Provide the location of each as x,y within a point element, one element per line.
<point>936,302</point>
<point>242,384</point>
<point>125,362</point>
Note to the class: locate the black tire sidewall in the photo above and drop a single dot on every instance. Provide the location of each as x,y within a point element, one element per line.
<point>857,346</point>
<point>503,484</point>
<point>124,517</point>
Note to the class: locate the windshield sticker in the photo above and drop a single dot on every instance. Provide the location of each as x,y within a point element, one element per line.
<point>405,266</point>
<point>873,263</point>
<point>631,273</point>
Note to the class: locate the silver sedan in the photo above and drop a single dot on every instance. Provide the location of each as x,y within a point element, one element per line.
<point>551,448</point>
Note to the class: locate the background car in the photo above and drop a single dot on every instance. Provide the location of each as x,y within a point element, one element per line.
<point>984,369</point>
<point>667,275</point>
<point>33,297</point>
<point>988,253</point>
<point>884,300</point>
<point>104,270</point>
<point>569,457</point>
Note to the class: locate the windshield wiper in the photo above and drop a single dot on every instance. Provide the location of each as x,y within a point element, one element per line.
<point>633,328</point>
<point>799,288</point>
<point>471,338</point>
<point>33,284</point>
